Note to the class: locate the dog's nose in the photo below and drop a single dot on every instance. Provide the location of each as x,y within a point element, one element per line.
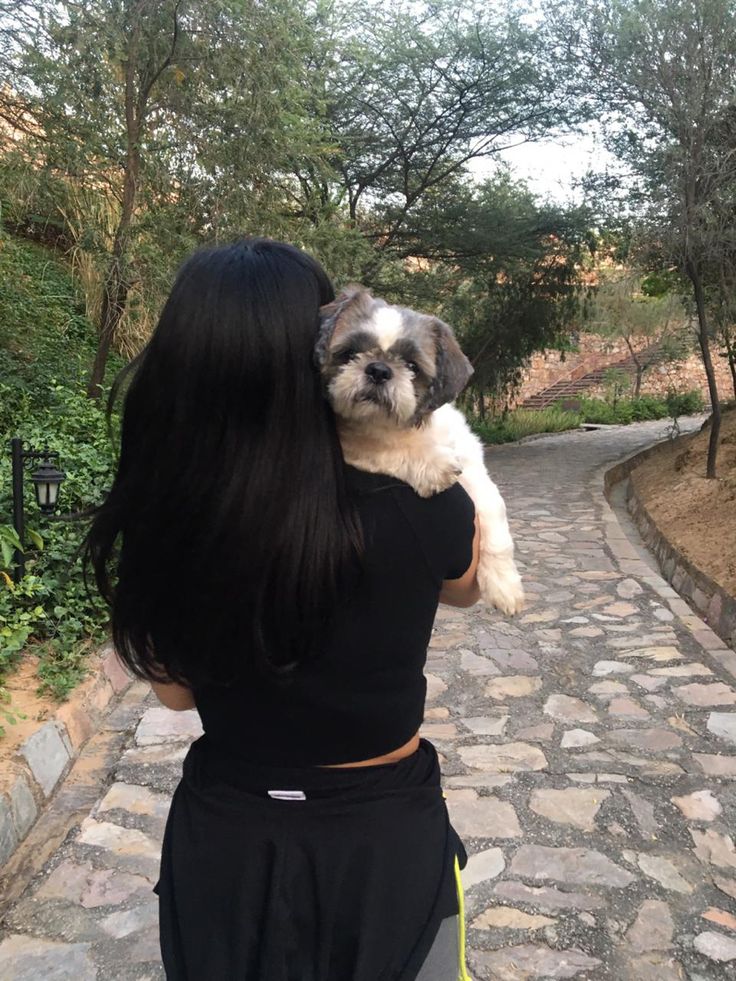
<point>378,372</point>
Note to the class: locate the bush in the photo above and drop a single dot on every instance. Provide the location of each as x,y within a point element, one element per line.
<point>643,409</point>
<point>524,422</point>
<point>684,403</point>
<point>47,349</point>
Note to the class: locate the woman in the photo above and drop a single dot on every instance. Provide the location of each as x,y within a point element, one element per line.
<point>290,598</point>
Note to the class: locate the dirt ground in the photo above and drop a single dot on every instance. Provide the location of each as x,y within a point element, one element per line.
<point>697,515</point>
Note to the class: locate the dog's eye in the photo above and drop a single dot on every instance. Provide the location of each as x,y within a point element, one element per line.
<point>346,355</point>
<point>412,366</point>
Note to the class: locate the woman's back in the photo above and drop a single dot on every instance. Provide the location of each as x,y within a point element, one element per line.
<point>362,694</point>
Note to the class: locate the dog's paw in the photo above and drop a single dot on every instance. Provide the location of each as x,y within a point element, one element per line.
<point>437,476</point>
<point>501,586</point>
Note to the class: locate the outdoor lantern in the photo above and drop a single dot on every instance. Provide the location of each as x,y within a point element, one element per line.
<point>46,479</point>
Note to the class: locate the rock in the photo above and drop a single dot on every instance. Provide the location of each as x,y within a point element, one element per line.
<point>136,800</point>
<point>123,922</point>
<point>163,725</point>
<point>547,897</point>
<point>716,765</point>
<point>586,632</point>
<point>31,958</point>
<point>576,865</point>
<point>483,725</point>
<point>643,811</point>
<point>46,754</point>
<point>655,740</point>
<point>653,927</point>
<point>435,686</point>
<point>723,724</point>
<point>89,887</point>
<point>698,806</point>
<point>682,671</point>
<point>483,866</point>
<point>648,683</point>
<point>575,738</point>
<point>508,918</point>
<point>528,961</point>
<point>608,688</point>
<point>121,841</point>
<point>504,758</point>
<point>513,686</point>
<point>728,886</point>
<point>542,732</point>
<point>573,805</point>
<point>620,610</point>
<point>714,848</point>
<point>656,653</point>
<point>715,946</point>
<point>569,709</point>
<point>627,708</point>
<point>664,872</point>
<point>705,695</point>
<point>627,589</point>
<point>473,816</point>
<point>476,665</point>
<point>603,668</point>
<point>721,917</point>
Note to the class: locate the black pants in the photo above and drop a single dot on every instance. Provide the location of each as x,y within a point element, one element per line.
<point>350,883</point>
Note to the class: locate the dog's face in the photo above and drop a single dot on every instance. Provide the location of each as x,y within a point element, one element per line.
<point>384,362</point>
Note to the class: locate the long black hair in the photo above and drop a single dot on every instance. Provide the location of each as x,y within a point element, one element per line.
<point>228,523</point>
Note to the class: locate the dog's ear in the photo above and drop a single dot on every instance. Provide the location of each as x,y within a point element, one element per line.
<point>453,370</point>
<point>353,299</point>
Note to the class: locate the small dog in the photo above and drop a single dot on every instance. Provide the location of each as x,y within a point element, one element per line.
<point>390,375</point>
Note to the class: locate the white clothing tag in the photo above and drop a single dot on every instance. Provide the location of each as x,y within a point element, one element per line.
<point>287,794</point>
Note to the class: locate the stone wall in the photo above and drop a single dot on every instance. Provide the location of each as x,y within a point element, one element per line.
<point>549,367</point>
<point>713,603</point>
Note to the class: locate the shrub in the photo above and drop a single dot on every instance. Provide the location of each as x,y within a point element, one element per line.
<point>524,422</point>
<point>47,349</point>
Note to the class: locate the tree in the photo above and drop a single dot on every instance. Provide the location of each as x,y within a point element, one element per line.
<point>151,103</point>
<point>503,269</point>
<point>663,75</point>
<point>410,94</point>
<point>624,308</point>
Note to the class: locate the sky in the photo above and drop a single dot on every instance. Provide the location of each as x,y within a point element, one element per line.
<point>550,167</point>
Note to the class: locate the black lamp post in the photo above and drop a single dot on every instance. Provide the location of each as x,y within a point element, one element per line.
<point>46,480</point>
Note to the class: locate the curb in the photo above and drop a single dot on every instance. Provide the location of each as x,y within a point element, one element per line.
<point>713,603</point>
<point>45,757</point>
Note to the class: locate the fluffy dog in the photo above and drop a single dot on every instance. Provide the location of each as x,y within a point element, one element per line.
<point>390,374</point>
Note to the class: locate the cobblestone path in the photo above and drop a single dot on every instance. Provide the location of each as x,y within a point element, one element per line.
<point>589,752</point>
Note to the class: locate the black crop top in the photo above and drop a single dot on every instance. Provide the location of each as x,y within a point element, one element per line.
<point>364,694</point>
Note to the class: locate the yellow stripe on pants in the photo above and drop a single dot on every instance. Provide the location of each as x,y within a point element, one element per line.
<point>462,969</point>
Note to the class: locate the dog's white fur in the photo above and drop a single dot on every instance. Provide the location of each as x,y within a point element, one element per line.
<point>431,458</point>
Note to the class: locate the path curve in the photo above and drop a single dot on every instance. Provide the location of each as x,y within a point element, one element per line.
<point>589,753</point>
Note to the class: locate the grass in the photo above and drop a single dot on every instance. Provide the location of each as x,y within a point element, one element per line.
<point>524,422</point>
<point>513,426</point>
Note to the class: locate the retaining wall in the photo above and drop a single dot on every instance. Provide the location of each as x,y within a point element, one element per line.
<point>713,603</point>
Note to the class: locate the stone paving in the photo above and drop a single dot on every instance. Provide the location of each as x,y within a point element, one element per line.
<point>589,753</point>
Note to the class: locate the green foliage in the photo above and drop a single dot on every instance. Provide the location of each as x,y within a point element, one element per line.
<point>642,409</point>
<point>504,270</point>
<point>513,426</point>
<point>45,354</point>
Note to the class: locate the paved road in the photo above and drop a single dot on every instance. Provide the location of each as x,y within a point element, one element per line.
<point>589,752</point>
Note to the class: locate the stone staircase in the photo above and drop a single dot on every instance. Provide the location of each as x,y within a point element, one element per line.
<point>576,385</point>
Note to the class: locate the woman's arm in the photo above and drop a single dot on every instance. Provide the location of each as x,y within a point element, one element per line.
<point>464,591</point>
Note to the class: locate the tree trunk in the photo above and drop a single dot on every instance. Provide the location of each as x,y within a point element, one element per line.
<point>715,425</point>
<point>116,280</point>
